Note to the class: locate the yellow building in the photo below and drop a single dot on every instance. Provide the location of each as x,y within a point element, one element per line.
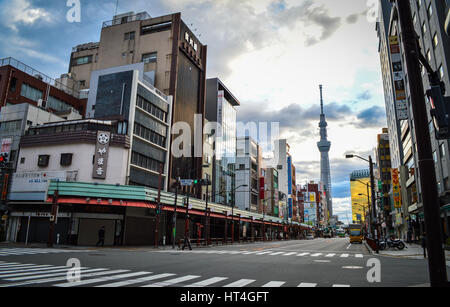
<point>358,185</point>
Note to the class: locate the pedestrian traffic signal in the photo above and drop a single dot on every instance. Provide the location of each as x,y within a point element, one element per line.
<point>439,111</point>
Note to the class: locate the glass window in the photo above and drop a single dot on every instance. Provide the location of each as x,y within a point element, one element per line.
<point>435,157</point>
<point>83,60</point>
<point>130,35</point>
<point>435,40</point>
<point>30,92</point>
<point>10,126</point>
<point>43,160</point>
<point>149,57</point>
<point>66,159</point>
<point>442,150</point>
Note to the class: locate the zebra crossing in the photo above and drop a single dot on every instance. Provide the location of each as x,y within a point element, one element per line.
<point>13,274</point>
<point>269,253</point>
<point>34,251</point>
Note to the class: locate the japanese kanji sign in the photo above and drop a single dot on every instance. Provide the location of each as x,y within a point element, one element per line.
<point>101,155</point>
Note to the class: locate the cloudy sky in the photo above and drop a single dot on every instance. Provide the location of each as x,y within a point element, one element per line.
<point>272,54</point>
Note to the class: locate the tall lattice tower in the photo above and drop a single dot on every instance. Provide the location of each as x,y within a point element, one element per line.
<point>324,147</point>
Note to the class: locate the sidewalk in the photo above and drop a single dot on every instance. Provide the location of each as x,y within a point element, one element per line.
<point>411,251</point>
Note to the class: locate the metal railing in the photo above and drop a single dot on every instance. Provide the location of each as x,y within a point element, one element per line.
<point>37,74</point>
<point>126,19</point>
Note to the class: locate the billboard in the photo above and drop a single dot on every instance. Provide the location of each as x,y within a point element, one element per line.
<point>398,78</point>
<point>310,212</point>
<point>396,189</point>
<point>33,185</point>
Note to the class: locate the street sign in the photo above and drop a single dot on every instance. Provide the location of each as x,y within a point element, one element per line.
<point>186,182</point>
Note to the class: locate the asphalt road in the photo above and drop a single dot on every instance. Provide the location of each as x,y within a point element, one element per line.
<point>314,263</point>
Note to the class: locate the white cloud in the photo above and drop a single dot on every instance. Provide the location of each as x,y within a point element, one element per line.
<point>15,12</point>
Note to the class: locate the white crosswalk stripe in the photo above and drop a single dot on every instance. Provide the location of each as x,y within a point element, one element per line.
<point>330,255</point>
<point>249,253</point>
<point>316,255</point>
<point>359,256</point>
<point>137,280</point>
<point>276,253</point>
<point>240,283</point>
<point>100,279</point>
<point>29,272</point>
<point>274,284</point>
<point>37,274</point>
<point>31,269</point>
<point>302,254</point>
<point>341,286</point>
<point>45,275</point>
<point>62,278</point>
<point>207,282</point>
<point>263,253</point>
<point>289,254</point>
<point>306,285</point>
<point>173,281</point>
<point>34,251</point>
<point>344,255</point>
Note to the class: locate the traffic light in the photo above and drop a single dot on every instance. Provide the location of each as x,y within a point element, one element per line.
<point>440,107</point>
<point>3,160</point>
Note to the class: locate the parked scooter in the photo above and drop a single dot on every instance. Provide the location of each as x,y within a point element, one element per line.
<point>392,243</point>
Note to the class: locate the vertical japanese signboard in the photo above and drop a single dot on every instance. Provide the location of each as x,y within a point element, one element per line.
<point>101,155</point>
<point>289,174</point>
<point>290,207</point>
<point>398,76</point>
<point>396,188</point>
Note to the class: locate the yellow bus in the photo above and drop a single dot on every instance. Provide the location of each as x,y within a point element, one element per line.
<point>355,232</point>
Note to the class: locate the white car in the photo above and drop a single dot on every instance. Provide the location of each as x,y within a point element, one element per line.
<point>309,237</point>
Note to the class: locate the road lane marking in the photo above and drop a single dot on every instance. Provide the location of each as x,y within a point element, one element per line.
<point>249,253</point>
<point>49,280</point>
<point>137,280</point>
<point>240,283</point>
<point>44,271</point>
<point>207,282</point>
<point>352,267</point>
<point>38,275</point>
<point>31,269</point>
<point>288,254</point>
<point>306,285</point>
<point>330,255</point>
<point>344,255</point>
<point>173,281</point>
<point>303,254</point>
<point>348,247</point>
<point>100,279</point>
<point>359,256</point>
<point>322,261</point>
<point>274,284</point>
<point>341,286</point>
<point>265,253</point>
<point>316,255</point>
<point>276,253</point>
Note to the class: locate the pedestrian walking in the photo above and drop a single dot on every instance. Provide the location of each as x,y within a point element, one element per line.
<point>424,245</point>
<point>187,241</point>
<point>101,236</point>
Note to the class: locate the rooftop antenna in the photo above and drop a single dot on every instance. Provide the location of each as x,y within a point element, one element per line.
<point>117,6</point>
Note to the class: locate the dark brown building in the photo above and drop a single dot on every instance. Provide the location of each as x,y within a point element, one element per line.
<point>20,83</point>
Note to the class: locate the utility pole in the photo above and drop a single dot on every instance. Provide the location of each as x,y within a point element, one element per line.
<point>372,195</point>
<point>174,218</point>
<point>158,206</point>
<point>53,216</point>
<point>206,213</point>
<point>436,256</point>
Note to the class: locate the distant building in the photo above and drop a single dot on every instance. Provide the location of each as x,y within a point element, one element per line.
<point>248,172</point>
<point>360,195</point>
<point>221,107</point>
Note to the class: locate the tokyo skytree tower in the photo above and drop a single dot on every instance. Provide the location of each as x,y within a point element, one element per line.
<point>324,147</point>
